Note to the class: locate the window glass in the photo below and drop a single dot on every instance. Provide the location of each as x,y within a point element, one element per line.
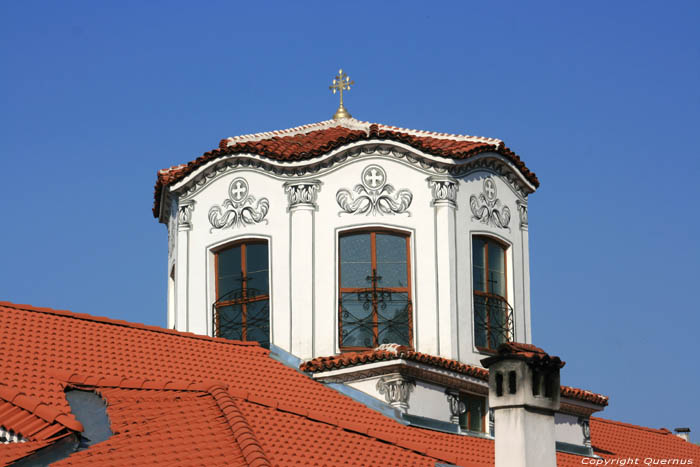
<point>242,309</point>
<point>492,313</point>
<point>355,260</point>
<point>391,260</point>
<point>256,267</point>
<point>473,417</point>
<point>497,272</point>
<point>229,273</point>
<point>374,308</point>
<point>478,247</point>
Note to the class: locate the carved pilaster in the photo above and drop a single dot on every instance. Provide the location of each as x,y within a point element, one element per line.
<point>302,193</point>
<point>396,390</point>
<point>522,211</point>
<point>184,215</point>
<point>457,407</point>
<point>444,190</point>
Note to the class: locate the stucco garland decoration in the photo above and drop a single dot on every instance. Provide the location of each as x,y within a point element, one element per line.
<point>487,209</point>
<point>244,210</point>
<point>374,195</point>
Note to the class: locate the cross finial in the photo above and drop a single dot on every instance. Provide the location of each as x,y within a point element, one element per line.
<point>341,83</point>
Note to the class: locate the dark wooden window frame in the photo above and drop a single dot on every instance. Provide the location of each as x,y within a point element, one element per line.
<point>469,415</point>
<point>407,289</point>
<point>244,301</point>
<point>487,294</point>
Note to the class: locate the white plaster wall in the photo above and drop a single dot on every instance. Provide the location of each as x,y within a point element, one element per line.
<point>517,262</point>
<point>568,429</point>
<point>429,400</point>
<point>197,247</point>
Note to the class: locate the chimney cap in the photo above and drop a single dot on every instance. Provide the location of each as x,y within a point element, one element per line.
<point>519,351</point>
<point>682,430</point>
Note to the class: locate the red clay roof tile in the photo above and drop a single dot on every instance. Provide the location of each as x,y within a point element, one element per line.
<point>279,417</point>
<point>314,140</point>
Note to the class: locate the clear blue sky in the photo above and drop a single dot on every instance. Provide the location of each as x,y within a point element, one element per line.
<point>600,99</point>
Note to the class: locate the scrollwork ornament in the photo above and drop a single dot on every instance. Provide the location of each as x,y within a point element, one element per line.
<point>243,208</point>
<point>487,208</point>
<point>302,193</point>
<point>374,195</point>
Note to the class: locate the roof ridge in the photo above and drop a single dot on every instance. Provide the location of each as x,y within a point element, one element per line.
<point>663,431</point>
<point>323,417</point>
<point>350,123</point>
<point>440,135</point>
<point>35,406</point>
<point>123,382</point>
<point>243,433</point>
<point>128,324</point>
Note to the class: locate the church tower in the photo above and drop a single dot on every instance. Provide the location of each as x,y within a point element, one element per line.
<point>386,261</point>
<point>346,235</point>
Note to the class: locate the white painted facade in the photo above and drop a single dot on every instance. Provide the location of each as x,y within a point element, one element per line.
<point>305,217</point>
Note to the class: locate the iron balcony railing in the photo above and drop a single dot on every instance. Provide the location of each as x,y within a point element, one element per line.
<point>493,321</point>
<point>374,316</point>
<point>243,314</point>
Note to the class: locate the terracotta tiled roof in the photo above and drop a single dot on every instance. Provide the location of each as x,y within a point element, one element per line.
<point>349,359</point>
<point>584,395</point>
<point>310,141</point>
<point>616,440</point>
<point>260,411</point>
<point>32,418</point>
<point>9,453</point>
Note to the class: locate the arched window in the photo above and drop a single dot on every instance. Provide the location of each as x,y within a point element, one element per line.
<point>374,289</point>
<point>493,316</point>
<point>242,307</point>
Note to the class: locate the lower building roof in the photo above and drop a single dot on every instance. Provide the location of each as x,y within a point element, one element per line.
<point>179,399</point>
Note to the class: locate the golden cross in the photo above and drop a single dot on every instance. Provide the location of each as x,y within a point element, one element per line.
<point>340,83</point>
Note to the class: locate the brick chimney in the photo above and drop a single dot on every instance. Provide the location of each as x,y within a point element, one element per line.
<point>524,394</point>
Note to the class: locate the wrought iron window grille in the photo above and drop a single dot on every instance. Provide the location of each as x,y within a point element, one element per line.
<point>390,314</point>
<point>233,319</point>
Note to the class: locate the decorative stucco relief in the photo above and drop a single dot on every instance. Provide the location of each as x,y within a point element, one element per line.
<point>172,231</point>
<point>522,211</point>
<point>396,390</point>
<point>444,190</point>
<point>586,429</point>
<point>243,208</point>
<point>184,215</point>
<point>374,195</point>
<point>487,208</point>
<point>496,164</point>
<point>302,193</point>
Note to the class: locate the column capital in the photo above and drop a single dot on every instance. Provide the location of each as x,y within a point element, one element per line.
<point>444,189</point>
<point>396,390</point>
<point>302,193</point>
<point>184,215</point>
<point>457,407</point>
